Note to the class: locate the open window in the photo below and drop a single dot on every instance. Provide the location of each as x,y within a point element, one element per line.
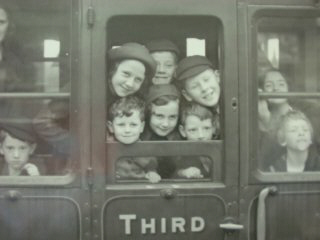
<point>193,35</point>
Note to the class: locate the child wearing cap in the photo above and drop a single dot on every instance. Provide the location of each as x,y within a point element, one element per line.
<point>197,123</point>
<point>165,53</point>
<point>295,134</point>
<point>199,81</point>
<point>131,66</point>
<point>163,108</point>
<point>17,144</point>
<point>126,124</point>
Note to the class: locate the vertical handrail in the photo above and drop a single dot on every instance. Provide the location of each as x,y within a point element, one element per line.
<point>261,212</point>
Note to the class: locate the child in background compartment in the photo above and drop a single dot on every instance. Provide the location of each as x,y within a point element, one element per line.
<point>126,124</point>
<point>17,144</point>
<point>199,81</point>
<point>131,68</point>
<point>197,124</point>
<point>163,108</point>
<point>166,54</point>
<point>295,133</point>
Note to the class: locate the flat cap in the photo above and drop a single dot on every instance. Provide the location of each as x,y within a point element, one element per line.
<point>162,45</point>
<point>156,91</point>
<point>192,66</point>
<point>22,130</point>
<point>134,51</point>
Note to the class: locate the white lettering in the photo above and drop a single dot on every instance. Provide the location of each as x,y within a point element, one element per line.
<point>127,221</point>
<point>163,225</point>
<point>197,224</point>
<point>151,225</point>
<point>177,223</point>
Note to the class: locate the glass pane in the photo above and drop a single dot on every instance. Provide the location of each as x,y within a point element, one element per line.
<point>288,51</point>
<point>156,169</point>
<point>35,39</point>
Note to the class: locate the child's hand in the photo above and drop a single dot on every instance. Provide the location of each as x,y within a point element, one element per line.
<point>31,169</point>
<point>191,172</point>
<point>264,113</point>
<point>153,177</point>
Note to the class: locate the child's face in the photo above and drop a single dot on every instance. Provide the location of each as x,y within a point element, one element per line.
<point>127,129</point>
<point>164,118</point>
<point>297,135</point>
<point>16,152</point>
<point>166,66</point>
<point>204,88</point>
<point>128,77</point>
<point>197,129</point>
<point>275,82</point>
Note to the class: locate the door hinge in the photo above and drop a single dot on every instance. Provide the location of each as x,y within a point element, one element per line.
<point>91,17</point>
<point>90,177</point>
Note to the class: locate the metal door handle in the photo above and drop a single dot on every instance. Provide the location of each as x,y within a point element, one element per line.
<point>230,226</point>
<point>261,212</point>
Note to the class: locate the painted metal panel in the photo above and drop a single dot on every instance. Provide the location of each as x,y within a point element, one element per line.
<point>38,217</point>
<point>189,216</point>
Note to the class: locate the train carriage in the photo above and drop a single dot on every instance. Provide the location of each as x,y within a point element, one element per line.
<point>55,63</point>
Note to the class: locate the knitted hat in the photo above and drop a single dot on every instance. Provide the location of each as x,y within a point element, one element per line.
<point>156,91</point>
<point>192,66</point>
<point>22,130</point>
<point>134,51</point>
<point>162,45</point>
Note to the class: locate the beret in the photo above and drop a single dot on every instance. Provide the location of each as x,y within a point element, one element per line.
<point>162,45</point>
<point>22,130</point>
<point>156,91</point>
<point>192,66</point>
<point>134,51</point>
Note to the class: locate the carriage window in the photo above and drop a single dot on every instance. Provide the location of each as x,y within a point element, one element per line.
<point>288,76</point>
<point>35,53</point>
<point>155,98</point>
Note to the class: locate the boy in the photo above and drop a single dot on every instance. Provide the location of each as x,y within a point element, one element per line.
<point>17,144</point>
<point>126,123</point>
<point>165,53</point>
<point>163,108</point>
<point>197,124</point>
<point>199,81</point>
<point>295,133</point>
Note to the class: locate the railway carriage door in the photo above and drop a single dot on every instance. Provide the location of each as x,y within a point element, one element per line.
<point>280,189</point>
<point>131,207</point>
<point>43,189</point>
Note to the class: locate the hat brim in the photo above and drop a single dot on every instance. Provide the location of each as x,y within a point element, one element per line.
<point>123,53</point>
<point>191,72</point>
<point>20,133</point>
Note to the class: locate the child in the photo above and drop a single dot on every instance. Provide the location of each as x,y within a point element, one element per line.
<point>197,124</point>
<point>165,53</point>
<point>199,81</point>
<point>130,66</point>
<point>295,133</point>
<point>163,108</point>
<point>17,144</point>
<point>126,124</point>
